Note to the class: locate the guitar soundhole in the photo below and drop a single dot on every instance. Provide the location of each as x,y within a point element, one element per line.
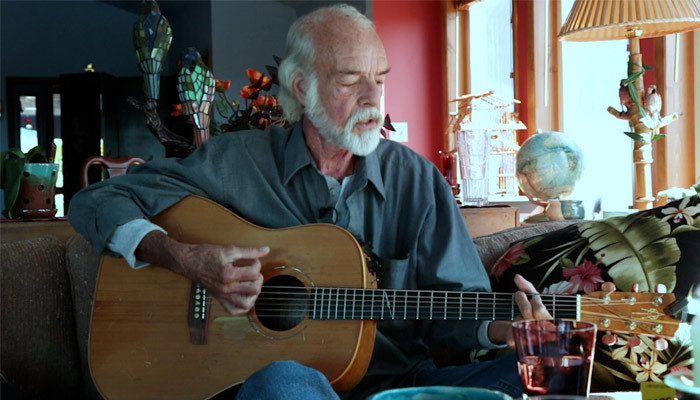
<point>283,303</point>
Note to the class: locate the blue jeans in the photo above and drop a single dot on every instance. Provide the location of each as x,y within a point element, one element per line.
<point>290,380</point>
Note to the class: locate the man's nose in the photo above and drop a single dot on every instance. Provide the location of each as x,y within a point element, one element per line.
<point>371,93</point>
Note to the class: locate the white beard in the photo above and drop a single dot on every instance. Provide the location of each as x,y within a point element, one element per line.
<point>360,144</point>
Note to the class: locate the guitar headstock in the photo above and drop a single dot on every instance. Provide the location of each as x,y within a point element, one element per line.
<point>630,312</point>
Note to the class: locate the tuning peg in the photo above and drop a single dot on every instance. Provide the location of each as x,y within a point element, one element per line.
<point>660,288</point>
<point>661,344</point>
<point>609,339</point>
<point>635,287</point>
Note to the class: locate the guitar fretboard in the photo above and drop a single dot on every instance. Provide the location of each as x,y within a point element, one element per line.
<point>389,304</point>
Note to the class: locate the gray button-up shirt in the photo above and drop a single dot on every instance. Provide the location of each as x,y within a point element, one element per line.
<point>396,200</point>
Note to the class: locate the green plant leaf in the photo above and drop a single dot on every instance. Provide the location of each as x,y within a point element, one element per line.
<point>657,136</point>
<point>636,248</point>
<point>634,135</point>
<point>630,79</point>
<point>12,172</point>
<point>566,262</point>
<point>8,155</point>
<point>36,155</point>
<point>635,98</point>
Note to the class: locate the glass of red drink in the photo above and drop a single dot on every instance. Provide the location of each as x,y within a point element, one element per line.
<point>555,356</point>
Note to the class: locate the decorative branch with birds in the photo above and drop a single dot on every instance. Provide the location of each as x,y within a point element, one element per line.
<point>643,111</point>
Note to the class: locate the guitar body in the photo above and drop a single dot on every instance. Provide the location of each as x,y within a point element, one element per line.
<point>140,344</point>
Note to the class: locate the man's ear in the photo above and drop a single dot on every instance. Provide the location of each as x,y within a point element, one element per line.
<point>299,88</point>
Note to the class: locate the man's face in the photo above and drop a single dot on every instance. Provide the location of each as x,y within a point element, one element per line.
<point>343,99</point>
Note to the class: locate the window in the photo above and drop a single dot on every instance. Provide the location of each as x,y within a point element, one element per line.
<point>563,86</point>
<point>34,112</point>
<point>485,64</point>
<point>590,78</point>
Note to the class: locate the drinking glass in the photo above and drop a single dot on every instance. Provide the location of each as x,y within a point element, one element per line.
<point>473,147</point>
<point>555,356</point>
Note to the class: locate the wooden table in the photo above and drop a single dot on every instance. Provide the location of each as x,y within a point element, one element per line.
<point>486,220</point>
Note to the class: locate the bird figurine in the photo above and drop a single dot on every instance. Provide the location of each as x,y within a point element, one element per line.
<point>625,99</point>
<point>652,103</point>
<point>152,38</point>
<point>195,88</point>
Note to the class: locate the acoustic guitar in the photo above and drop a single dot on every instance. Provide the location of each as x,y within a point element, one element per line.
<point>157,335</point>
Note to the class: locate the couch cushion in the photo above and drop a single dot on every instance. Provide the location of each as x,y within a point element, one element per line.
<point>83,265</point>
<point>38,351</point>
<point>491,247</point>
<point>656,246</point>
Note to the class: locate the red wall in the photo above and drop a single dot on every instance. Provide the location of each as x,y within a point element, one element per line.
<point>412,32</point>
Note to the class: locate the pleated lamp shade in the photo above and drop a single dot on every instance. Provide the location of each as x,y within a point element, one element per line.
<point>591,20</point>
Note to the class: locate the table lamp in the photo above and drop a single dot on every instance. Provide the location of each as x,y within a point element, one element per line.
<point>593,20</point>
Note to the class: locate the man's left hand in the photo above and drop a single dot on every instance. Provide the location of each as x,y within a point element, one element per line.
<point>502,331</point>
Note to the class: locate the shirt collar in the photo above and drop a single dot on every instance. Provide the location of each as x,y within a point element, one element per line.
<point>298,156</point>
<point>369,166</point>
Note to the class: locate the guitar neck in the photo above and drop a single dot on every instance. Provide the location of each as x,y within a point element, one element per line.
<point>389,304</point>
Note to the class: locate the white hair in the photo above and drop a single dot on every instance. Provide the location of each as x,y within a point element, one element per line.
<point>300,52</point>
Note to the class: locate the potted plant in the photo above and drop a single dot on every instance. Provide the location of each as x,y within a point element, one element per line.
<point>29,182</point>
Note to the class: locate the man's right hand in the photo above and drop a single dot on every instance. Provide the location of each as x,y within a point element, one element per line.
<point>230,273</point>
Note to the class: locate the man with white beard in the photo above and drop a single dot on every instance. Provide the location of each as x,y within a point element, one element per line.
<point>331,166</point>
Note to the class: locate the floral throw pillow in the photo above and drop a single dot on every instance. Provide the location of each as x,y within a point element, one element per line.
<point>648,248</point>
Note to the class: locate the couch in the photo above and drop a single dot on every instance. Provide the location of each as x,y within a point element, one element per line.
<point>46,290</point>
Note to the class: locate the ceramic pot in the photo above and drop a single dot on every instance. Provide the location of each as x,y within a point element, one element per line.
<point>36,191</point>
<point>572,209</point>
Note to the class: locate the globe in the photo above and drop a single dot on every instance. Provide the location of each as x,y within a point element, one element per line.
<point>548,165</point>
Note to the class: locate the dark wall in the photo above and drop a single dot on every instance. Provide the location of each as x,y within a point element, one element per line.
<point>51,38</point>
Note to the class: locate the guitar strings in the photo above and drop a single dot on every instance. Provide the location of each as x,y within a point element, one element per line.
<point>318,303</point>
<point>410,303</point>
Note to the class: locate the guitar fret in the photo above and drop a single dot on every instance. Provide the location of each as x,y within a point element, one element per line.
<point>372,306</point>
<point>512,307</point>
<point>345,304</point>
<point>315,299</point>
<point>493,307</point>
<point>431,304</point>
<point>320,311</point>
<point>354,299</point>
<point>554,306</point>
<point>362,304</point>
<point>385,300</point>
<point>418,305</point>
<point>476,311</point>
<point>330,298</point>
<point>337,294</point>
<point>393,307</point>
<point>461,294</point>
<point>445,314</point>
<point>405,304</point>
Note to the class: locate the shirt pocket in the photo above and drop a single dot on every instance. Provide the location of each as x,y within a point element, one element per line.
<point>397,273</point>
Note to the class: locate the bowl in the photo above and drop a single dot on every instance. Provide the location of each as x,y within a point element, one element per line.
<point>439,393</point>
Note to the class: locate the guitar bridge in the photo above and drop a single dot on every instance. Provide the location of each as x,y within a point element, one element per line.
<point>197,315</point>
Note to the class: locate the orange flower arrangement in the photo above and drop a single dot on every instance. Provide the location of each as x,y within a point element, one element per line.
<point>258,110</point>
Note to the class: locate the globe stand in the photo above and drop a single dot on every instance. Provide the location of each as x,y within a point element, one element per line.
<point>548,164</point>
<point>552,211</point>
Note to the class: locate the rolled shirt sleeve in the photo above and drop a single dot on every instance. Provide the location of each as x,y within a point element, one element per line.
<point>127,237</point>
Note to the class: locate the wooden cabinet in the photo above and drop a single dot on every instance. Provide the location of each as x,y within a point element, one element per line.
<point>486,220</point>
